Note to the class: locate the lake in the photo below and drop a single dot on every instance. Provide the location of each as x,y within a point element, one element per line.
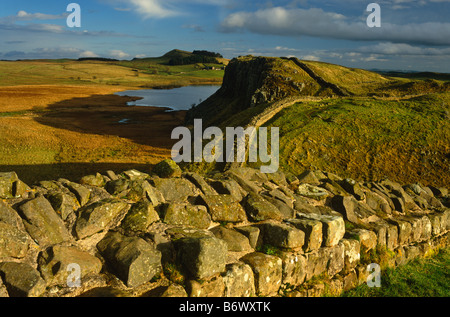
<point>176,99</point>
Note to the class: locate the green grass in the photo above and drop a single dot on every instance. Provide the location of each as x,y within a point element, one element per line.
<point>419,278</point>
<point>367,138</point>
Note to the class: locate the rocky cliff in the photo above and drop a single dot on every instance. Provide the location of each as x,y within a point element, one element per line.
<point>237,234</point>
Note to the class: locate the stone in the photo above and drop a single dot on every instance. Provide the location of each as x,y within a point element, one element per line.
<point>308,177</point>
<point>404,230</point>
<point>81,192</point>
<point>377,202</point>
<point>313,232</point>
<point>223,208</point>
<point>135,175</point>
<point>259,209</point>
<point>42,222</point>
<point>106,292</point>
<point>9,215</point>
<point>133,259</point>
<point>366,238</point>
<point>351,254</point>
<point>267,270</point>
<point>282,235</point>
<point>336,255</point>
<point>99,216</point>
<point>214,287</point>
<point>426,228</point>
<point>314,192</point>
<point>236,242</point>
<point>333,227</point>
<point>200,182</point>
<point>316,263</point>
<point>294,268</point>
<point>22,280</point>
<point>14,242</point>
<point>334,188</point>
<point>229,187</point>
<point>20,189</point>
<point>245,178</point>
<point>167,168</point>
<point>185,214</point>
<point>93,180</point>
<point>175,189</point>
<point>174,290</point>
<point>63,203</point>
<point>392,237</point>
<point>353,210</point>
<point>118,187</point>
<point>253,235</point>
<point>53,263</point>
<point>202,257</point>
<point>6,184</point>
<point>354,188</point>
<point>239,280</point>
<point>140,216</point>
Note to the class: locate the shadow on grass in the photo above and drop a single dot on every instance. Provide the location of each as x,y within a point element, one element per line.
<point>110,115</point>
<point>32,174</point>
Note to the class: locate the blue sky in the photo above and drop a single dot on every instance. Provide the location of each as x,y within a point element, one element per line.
<point>414,34</point>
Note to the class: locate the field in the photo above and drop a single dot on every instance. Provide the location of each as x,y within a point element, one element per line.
<point>60,118</point>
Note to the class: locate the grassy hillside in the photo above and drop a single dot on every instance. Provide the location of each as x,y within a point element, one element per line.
<point>366,138</point>
<point>378,127</point>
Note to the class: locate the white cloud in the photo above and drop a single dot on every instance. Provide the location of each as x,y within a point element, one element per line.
<point>319,23</point>
<point>118,54</point>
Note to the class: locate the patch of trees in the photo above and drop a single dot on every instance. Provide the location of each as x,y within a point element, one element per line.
<point>196,57</point>
<point>97,59</point>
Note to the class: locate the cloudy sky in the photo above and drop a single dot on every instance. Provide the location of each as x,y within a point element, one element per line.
<point>414,34</point>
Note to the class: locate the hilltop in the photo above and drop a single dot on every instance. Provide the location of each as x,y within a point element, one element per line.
<point>353,122</point>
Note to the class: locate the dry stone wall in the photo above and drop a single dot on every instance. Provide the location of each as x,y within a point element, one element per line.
<point>240,233</point>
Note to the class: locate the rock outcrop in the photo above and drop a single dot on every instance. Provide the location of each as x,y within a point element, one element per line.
<point>239,233</point>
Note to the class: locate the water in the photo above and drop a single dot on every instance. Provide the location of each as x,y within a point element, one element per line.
<point>176,99</point>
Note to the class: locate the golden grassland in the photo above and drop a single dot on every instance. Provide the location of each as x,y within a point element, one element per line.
<point>61,118</point>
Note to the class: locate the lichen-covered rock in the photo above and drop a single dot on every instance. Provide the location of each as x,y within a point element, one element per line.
<point>353,210</point>
<point>54,264</point>
<point>167,168</point>
<point>214,287</point>
<point>22,280</point>
<point>185,214</point>
<point>201,183</point>
<point>351,254</point>
<point>333,227</point>
<point>99,216</point>
<point>313,232</point>
<point>366,238</point>
<point>260,209</point>
<point>282,235</point>
<point>294,268</point>
<point>6,184</point>
<point>42,222</point>
<point>202,257</point>
<point>223,208</point>
<point>314,192</point>
<point>239,280</point>
<point>175,189</point>
<point>93,180</point>
<point>133,259</point>
<point>14,242</point>
<point>236,242</point>
<point>229,187</point>
<point>267,270</point>
<point>140,216</point>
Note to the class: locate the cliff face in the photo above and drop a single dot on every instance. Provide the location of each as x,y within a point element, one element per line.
<point>254,81</point>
